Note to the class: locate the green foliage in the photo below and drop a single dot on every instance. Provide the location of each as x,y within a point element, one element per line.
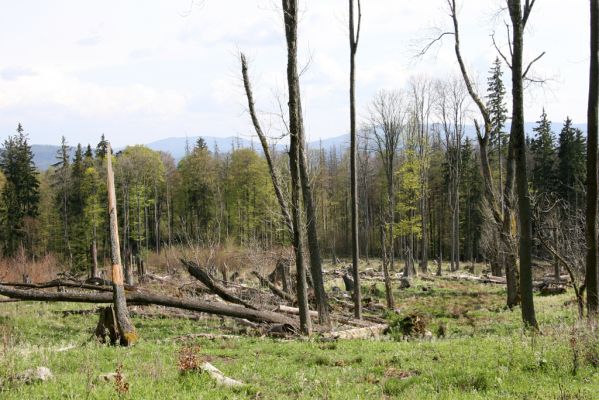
<point>249,195</point>
<point>542,148</point>
<point>497,108</point>
<point>20,194</point>
<point>571,169</point>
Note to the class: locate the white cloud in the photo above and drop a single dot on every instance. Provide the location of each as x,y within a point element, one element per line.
<point>55,89</point>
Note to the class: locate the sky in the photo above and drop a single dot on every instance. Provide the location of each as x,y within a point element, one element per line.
<point>142,71</point>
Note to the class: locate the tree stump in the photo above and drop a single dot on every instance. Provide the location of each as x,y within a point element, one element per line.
<point>107,330</point>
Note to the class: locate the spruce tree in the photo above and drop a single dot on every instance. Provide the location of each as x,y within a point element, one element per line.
<point>571,167</point>
<point>542,149</point>
<point>102,148</point>
<point>20,196</point>
<point>498,115</point>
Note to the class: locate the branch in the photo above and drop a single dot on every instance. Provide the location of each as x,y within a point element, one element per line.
<point>527,9</point>
<point>531,63</point>
<point>432,43</point>
<point>499,51</point>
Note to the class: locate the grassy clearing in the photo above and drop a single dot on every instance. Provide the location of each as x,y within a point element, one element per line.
<point>485,355</point>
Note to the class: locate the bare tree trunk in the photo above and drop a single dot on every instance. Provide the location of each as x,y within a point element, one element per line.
<point>94,251</point>
<point>290,20</point>
<point>388,288</point>
<point>265,148</point>
<point>127,333</point>
<point>593,128</point>
<point>501,216</point>
<point>354,37</point>
<point>517,136</point>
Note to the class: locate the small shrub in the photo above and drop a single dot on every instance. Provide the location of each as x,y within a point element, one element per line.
<point>189,359</point>
<point>121,387</point>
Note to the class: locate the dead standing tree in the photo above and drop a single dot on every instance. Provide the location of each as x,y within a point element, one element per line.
<point>593,131</point>
<point>519,15</point>
<point>290,18</point>
<point>315,261</point>
<point>499,204</point>
<point>126,330</point>
<point>354,37</point>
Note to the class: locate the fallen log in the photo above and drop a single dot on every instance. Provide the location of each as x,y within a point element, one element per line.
<point>218,376</point>
<point>295,311</point>
<point>226,310</point>
<point>198,272</point>
<point>68,284</point>
<point>369,332</point>
<point>273,288</point>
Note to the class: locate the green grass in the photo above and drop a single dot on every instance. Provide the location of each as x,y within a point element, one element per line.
<point>485,355</point>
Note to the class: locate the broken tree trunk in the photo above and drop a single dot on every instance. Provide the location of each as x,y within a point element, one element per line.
<point>370,332</point>
<point>218,376</point>
<point>200,274</point>
<point>273,288</point>
<point>147,299</point>
<point>128,335</point>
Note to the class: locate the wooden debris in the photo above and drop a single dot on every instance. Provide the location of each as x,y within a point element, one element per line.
<point>203,276</point>
<point>218,376</point>
<point>369,332</point>
<point>227,310</point>
<point>209,336</point>
<point>273,288</point>
<point>295,310</point>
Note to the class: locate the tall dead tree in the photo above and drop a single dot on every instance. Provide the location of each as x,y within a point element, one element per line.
<point>290,20</point>
<point>127,333</point>
<point>265,147</point>
<point>519,16</point>
<point>354,37</point>
<point>306,189</point>
<point>593,130</point>
<point>499,204</point>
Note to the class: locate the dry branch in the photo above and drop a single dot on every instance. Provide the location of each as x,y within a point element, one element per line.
<point>200,274</point>
<point>218,376</point>
<point>273,288</point>
<point>152,299</point>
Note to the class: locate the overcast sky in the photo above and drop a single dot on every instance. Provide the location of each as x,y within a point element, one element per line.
<point>141,71</point>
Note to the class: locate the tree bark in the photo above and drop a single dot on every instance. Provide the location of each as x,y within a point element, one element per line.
<point>354,37</point>
<point>593,129</point>
<point>517,136</point>
<point>128,335</point>
<point>290,20</point>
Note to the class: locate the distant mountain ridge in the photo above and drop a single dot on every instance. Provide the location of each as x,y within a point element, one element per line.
<point>45,155</point>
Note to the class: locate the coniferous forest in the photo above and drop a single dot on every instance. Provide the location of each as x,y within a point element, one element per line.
<point>444,248</point>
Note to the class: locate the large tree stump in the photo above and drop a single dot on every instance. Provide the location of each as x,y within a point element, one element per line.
<point>107,330</point>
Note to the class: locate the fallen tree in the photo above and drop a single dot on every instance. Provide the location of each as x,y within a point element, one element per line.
<point>273,288</point>
<point>152,299</point>
<point>200,274</point>
<point>66,284</point>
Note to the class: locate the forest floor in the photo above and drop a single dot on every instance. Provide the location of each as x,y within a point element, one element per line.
<point>483,354</point>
